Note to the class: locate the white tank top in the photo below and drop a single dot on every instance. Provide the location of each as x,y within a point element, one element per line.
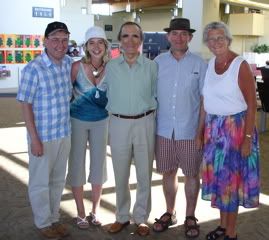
<point>222,95</point>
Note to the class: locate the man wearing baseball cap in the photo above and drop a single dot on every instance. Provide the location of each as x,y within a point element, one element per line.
<point>179,84</point>
<point>44,93</point>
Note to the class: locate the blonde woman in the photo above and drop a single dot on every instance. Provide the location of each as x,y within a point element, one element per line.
<point>89,121</point>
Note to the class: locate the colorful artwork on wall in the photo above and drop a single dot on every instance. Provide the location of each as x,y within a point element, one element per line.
<point>9,57</point>
<point>18,56</point>
<point>2,40</point>
<point>19,48</point>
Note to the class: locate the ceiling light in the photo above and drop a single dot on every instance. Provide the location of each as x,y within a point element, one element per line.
<point>227,8</point>
<point>175,13</point>
<point>63,3</point>
<point>179,3</point>
<point>128,7</point>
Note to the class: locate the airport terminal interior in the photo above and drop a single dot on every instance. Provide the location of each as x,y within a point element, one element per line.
<point>22,25</point>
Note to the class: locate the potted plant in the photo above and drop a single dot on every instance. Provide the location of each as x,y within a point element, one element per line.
<point>258,56</point>
<point>260,48</point>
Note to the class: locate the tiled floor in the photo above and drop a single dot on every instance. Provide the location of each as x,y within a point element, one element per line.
<point>15,212</point>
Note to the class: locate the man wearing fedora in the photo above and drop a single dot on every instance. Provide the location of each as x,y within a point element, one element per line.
<point>44,93</point>
<point>179,84</point>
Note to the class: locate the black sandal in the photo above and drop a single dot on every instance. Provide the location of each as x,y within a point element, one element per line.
<point>171,220</point>
<point>189,227</point>
<point>215,234</point>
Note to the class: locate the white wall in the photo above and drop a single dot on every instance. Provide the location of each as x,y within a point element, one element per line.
<point>76,22</point>
<point>16,16</point>
<point>153,21</point>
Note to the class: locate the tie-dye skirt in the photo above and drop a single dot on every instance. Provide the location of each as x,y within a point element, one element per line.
<point>228,179</point>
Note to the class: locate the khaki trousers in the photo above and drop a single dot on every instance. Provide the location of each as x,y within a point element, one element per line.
<point>132,138</point>
<point>47,180</point>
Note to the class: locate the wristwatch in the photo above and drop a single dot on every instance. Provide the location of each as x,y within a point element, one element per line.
<point>248,136</point>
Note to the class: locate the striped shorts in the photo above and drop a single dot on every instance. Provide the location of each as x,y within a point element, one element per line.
<point>173,154</point>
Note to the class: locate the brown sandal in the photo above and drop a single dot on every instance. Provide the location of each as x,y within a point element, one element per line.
<point>189,227</point>
<point>170,219</point>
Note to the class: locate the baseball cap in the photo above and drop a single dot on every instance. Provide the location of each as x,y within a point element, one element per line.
<point>55,26</point>
<point>95,32</point>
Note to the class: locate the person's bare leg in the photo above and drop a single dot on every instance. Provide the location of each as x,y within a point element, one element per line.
<point>192,186</point>
<point>223,219</point>
<point>170,187</point>
<point>78,195</point>
<point>96,197</point>
<point>231,224</point>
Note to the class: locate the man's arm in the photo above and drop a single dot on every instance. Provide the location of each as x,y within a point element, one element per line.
<point>28,115</point>
<point>199,138</point>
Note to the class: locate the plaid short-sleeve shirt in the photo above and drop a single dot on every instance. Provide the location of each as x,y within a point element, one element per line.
<point>47,87</point>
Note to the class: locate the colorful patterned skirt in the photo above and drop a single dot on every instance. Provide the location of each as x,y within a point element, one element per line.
<point>228,179</point>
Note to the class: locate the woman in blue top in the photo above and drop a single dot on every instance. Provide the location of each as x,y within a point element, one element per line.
<point>89,120</point>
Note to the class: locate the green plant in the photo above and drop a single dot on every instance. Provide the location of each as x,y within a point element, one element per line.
<point>9,42</point>
<point>36,43</point>
<point>18,57</point>
<point>27,42</point>
<point>262,48</point>
<point>28,57</point>
<point>19,42</point>
<point>9,58</point>
<point>1,57</point>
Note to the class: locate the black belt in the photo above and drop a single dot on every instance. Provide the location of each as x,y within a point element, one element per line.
<point>135,116</point>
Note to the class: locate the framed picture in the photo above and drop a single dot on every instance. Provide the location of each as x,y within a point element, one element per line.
<point>108,28</point>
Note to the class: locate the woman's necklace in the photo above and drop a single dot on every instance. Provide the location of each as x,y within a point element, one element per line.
<point>222,65</point>
<point>96,71</point>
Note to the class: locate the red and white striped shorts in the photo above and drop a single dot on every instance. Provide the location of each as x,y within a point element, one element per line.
<point>173,154</point>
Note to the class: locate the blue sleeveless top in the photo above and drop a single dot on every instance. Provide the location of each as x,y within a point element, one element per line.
<point>89,101</point>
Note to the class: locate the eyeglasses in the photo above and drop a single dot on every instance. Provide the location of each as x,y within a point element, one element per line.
<point>57,41</point>
<point>219,39</point>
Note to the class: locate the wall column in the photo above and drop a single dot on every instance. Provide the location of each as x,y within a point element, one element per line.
<point>200,12</point>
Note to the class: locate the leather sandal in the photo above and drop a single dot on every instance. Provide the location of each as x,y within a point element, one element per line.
<point>166,220</point>
<point>216,233</point>
<point>192,229</point>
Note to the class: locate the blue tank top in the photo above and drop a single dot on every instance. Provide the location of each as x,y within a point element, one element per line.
<point>89,101</point>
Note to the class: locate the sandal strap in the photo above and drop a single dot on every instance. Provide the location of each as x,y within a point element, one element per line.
<point>191,218</point>
<point>189,227</point>
<point>94,219</point>
<point>168,221</point>
<point>82,220</point>
<point>216,233</point>
<point>160,221</point>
